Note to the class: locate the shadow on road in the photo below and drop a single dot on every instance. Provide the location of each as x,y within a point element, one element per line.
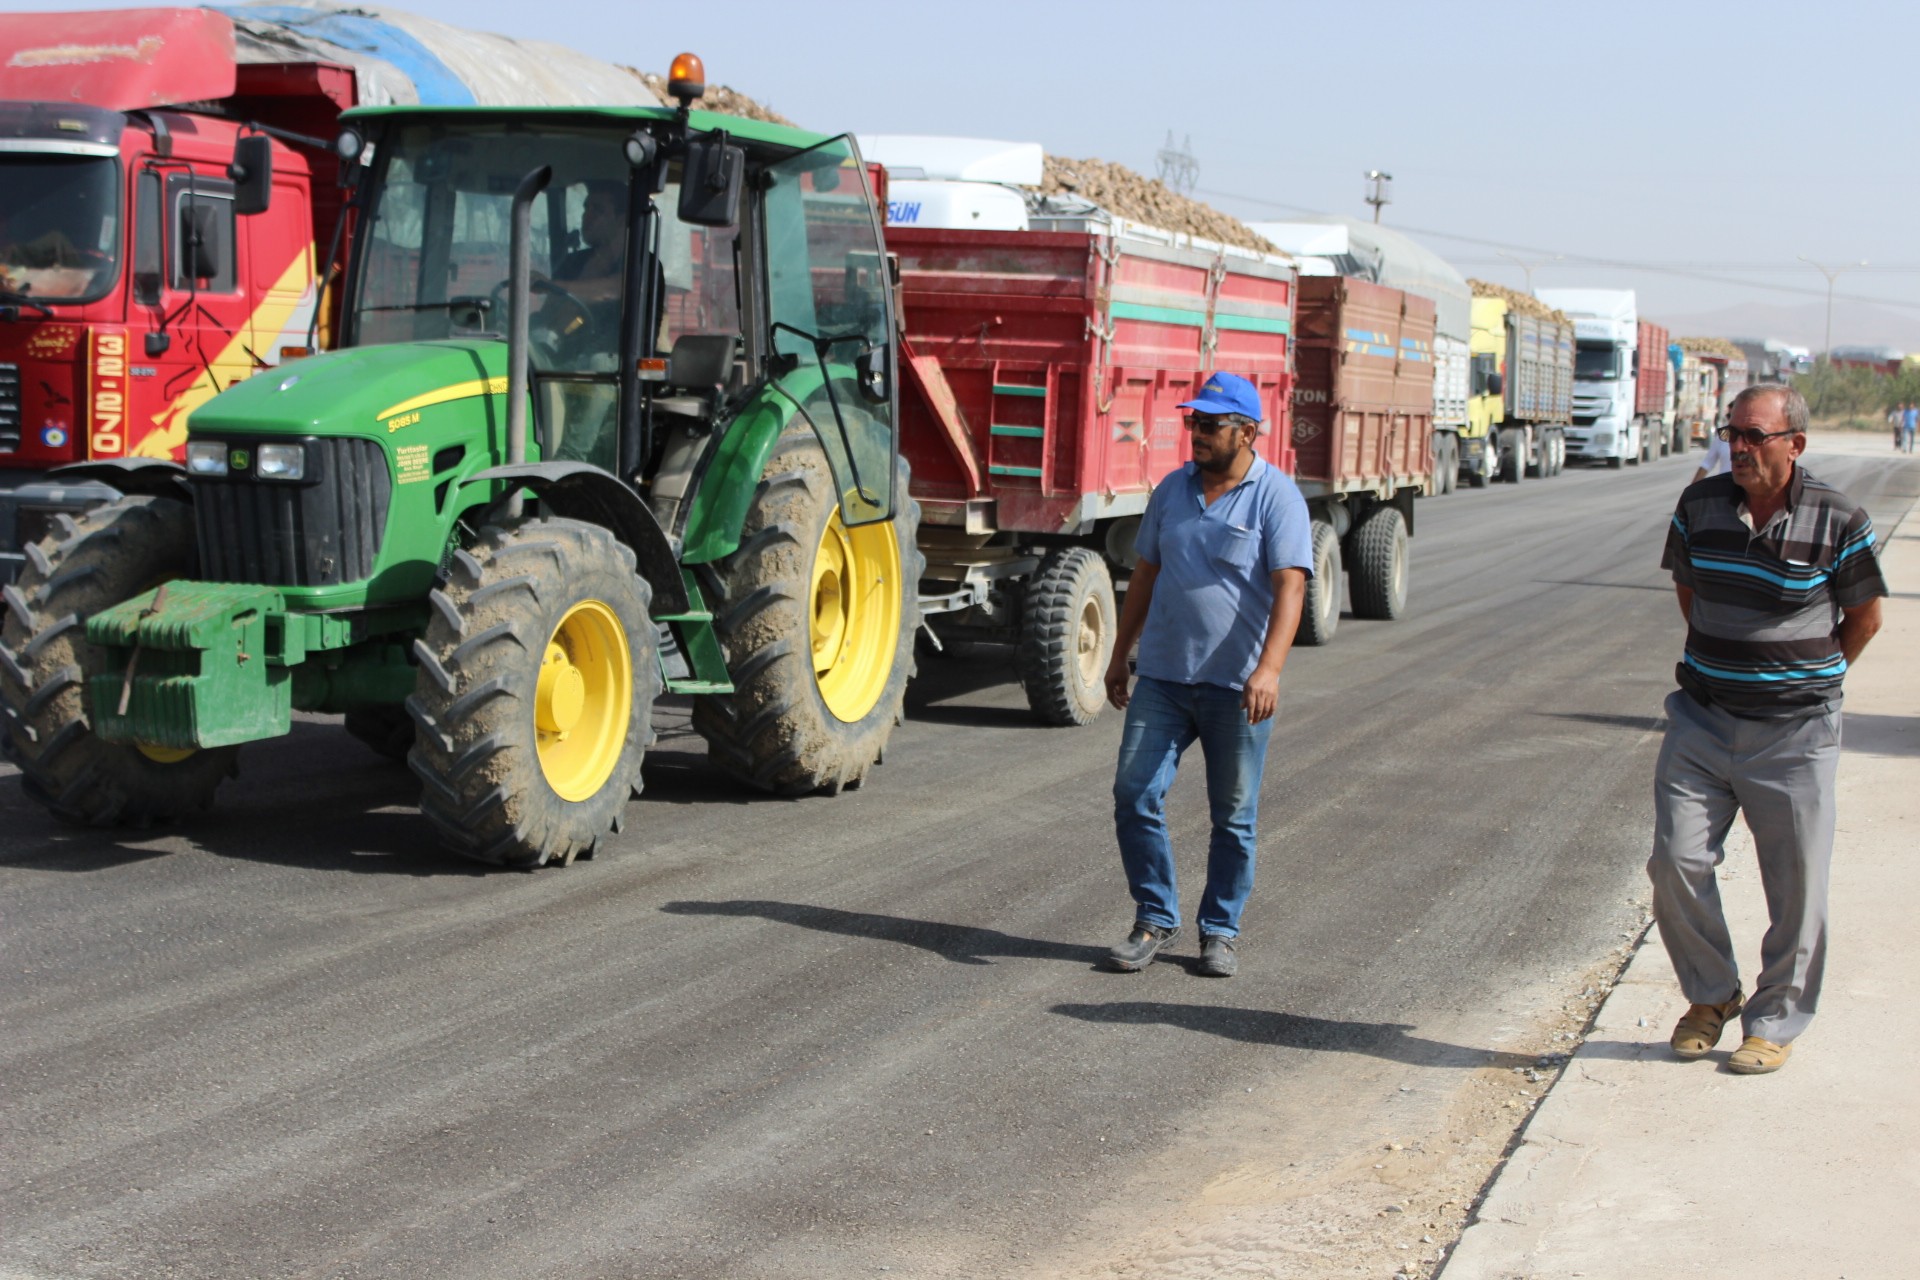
<point>1880,735</point>
<point>1645,724</point>
<point>1387,1040</point>
<point>1663,587</point>
<point>962,944</point>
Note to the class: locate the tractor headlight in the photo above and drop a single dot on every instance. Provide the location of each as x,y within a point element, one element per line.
<point>206,458</point>
<point>281,462</point>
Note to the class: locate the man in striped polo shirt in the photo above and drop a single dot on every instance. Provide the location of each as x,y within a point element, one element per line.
<point>1780,585</point>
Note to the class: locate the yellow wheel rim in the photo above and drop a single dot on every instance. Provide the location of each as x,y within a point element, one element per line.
<point>583,701</point>
<point>854,614</point>
<point>163,755</point>
<point>1091,642</point>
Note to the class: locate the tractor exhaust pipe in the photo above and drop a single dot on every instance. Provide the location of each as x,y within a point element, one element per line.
<point>519,304</point>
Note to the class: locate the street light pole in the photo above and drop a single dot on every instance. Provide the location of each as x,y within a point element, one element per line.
<point>1379,191</point>
<point>1529,265</point>
<point>1832,274</point>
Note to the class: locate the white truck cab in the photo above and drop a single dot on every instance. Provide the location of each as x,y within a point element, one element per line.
<point>1606,333</point>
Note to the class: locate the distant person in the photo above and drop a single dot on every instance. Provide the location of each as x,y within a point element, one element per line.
<point>1718,460</point>
<point>1225,550</point>
<point>1780,586</point>
<point>1909,419</point>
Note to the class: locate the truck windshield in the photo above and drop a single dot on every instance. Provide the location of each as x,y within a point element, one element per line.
<point>1596,362</point>
<point>59,226</point>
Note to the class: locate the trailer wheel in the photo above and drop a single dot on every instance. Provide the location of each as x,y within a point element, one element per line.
<point>385,731</point>
<point>818,621</point>
<point>1483,467</point>
<point>94,560</point>
<point>1379,574</point>
<point>538,672</point>
<point>1613,464</point>
<point>1320,613</point>
<point>1066,637</point>
<point>1556,446</point>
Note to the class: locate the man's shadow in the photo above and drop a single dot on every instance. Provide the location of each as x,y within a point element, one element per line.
<point>962,944</point>
<point>1387,1040</point>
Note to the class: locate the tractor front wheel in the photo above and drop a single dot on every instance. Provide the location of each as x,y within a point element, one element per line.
<point>534,707</point>
<point>95,560</point>
<point>818,621</point>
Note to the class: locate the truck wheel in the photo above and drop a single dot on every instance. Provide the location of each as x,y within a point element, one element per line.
<point>1557,449</point>
<point>1379,574</point>
<point>817,620</point>
<point>538,672</point>
<point>1066,637</point>
<point>1613,464</point>
<point>386,731</point>
<point>94,560</point>
<point>1320,613</point>
<point>1513,457</point>
<point>1483,468</point>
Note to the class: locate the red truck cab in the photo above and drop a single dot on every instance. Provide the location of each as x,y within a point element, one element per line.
<point>132,287</point>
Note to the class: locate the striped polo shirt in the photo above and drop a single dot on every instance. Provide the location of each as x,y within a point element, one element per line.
<point>1763,640</point>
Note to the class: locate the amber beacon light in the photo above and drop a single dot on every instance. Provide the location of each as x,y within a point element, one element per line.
<point>687,79</point>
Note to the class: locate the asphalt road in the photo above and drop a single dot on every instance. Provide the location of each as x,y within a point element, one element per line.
<point>780,1038</point>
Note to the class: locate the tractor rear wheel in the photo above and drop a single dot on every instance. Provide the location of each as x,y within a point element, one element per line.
<point>1066,637</point>
<point>1320,613</point>
<point>93,561</point>
<point>817,620</point>
<point>534,706</point>
<point>1380,565</point>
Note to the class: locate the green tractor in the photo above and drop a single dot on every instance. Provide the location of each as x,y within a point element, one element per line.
<point>613,412</point>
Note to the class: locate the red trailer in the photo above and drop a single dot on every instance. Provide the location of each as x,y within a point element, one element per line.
<point>1362,431</point>
<point>1041,374</point>
<point>1653,394</point>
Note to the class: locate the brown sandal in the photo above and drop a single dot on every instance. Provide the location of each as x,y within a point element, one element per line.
<point>1698,1030</point>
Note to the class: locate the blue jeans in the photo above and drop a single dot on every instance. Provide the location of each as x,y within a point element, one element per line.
<point>1163,720</point>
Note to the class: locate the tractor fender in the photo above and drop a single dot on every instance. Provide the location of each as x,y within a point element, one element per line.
<point>582,491</point>
<point>149,477</point>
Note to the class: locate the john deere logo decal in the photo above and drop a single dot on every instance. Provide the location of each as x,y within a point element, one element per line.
<point>239,459</point>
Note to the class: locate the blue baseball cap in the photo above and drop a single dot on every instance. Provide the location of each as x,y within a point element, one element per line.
<point>1227,393</point>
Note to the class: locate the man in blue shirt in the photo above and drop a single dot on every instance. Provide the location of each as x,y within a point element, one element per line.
<point>1225,549</point>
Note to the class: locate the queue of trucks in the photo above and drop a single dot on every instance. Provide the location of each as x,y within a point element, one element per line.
<point>341,381</point>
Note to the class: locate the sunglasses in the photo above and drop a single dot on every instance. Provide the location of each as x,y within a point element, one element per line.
<point>1205,423</point>
<point>1752,437</point>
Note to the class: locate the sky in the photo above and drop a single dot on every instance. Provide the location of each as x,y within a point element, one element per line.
<point>1691,151</point>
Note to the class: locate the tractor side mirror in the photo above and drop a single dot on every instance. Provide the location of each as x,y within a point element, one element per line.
<point>252,174</point>
<point>873,372</point>
<point>711,179</point>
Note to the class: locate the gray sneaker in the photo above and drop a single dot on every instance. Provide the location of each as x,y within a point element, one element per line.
<point>1216,956</point>
<point>1141,946</point>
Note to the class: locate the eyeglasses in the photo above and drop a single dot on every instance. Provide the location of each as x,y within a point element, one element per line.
<point>1752,437</point>
<point>1207,423</point>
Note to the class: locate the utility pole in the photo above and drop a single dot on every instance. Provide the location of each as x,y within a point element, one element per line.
<point>1379,191</point>
<point>1529,265</point>
<point>1832,274</point>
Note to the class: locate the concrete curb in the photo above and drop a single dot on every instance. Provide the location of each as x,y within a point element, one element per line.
<point>1639,1164</point>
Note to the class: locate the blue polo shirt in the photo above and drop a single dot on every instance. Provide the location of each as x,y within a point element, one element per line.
<point>1208,619</point>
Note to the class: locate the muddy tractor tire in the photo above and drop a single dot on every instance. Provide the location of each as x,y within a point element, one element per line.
<point>93,561</point>
<point>1066,637</point>
<point>1320,612</point>
<point>1378,580</point>
<point>538,674</point>
<point>817,620</point>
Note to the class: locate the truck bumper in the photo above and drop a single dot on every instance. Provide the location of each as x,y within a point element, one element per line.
<point>1598,440</point>
<point>28,504</point>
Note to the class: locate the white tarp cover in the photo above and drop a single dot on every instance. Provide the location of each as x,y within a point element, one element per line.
<point>403,59</point>
<point>1390,258</point>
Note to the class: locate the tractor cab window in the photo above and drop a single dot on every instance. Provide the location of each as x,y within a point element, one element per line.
<point>829,294</point>
<point>699,274</point>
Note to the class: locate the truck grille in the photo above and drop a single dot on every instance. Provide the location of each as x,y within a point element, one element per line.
<point>9,407</point>
<point>298,535</point>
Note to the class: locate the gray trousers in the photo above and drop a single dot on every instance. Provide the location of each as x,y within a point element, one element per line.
<point>1781,773</point>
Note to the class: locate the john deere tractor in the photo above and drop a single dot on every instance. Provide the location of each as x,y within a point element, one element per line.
<point>612,412</point>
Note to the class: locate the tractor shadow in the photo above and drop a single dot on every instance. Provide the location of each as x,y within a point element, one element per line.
<point>961,944</point>
<point>947,688</point>
<point>1387,1041</point>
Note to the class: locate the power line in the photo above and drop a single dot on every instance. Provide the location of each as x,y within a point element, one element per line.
<point>1619,264</point>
